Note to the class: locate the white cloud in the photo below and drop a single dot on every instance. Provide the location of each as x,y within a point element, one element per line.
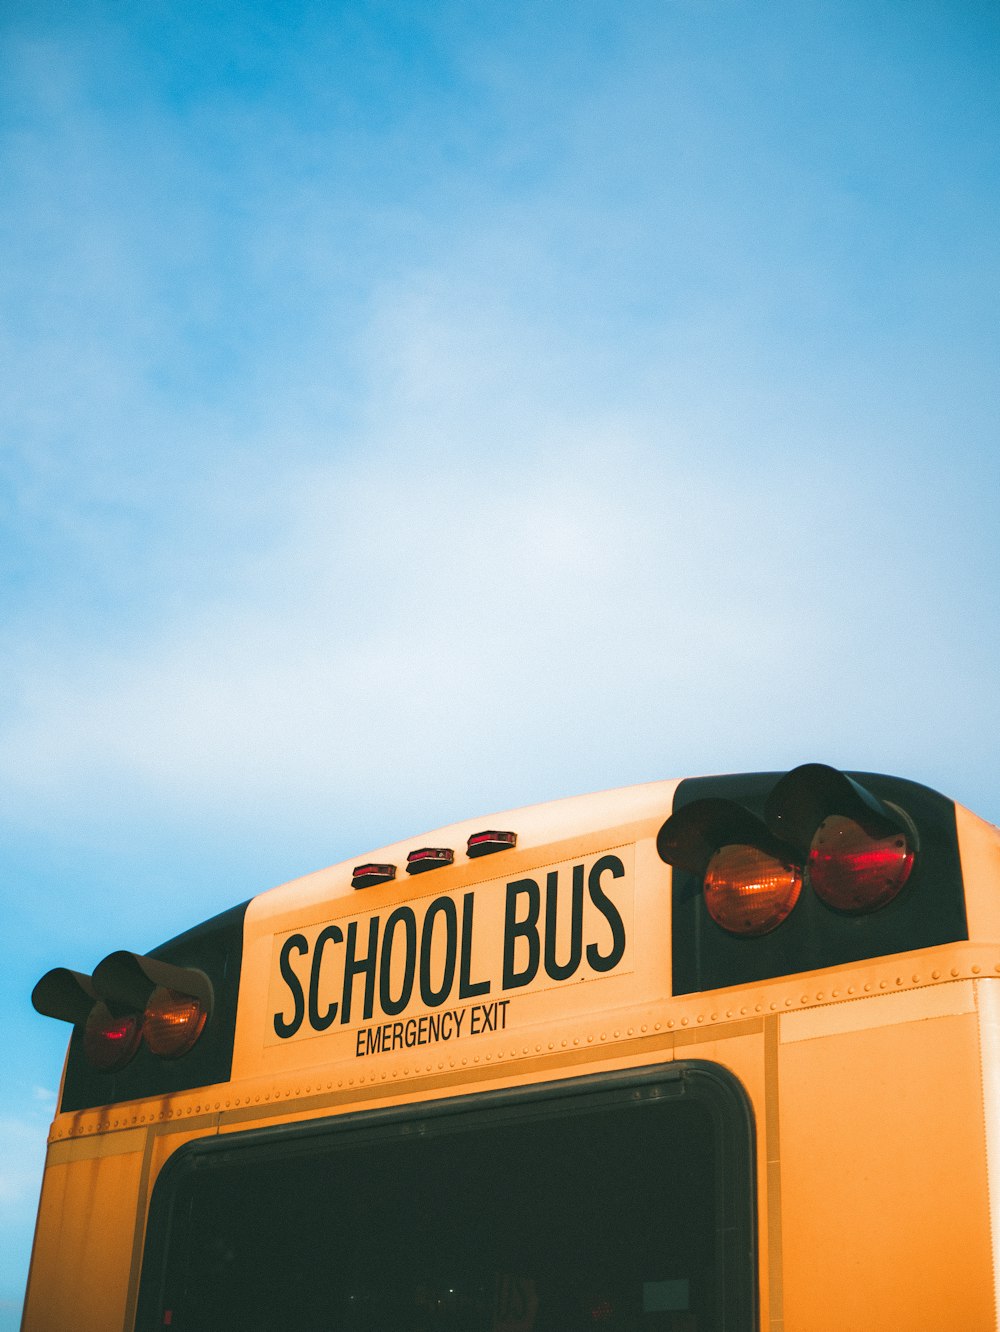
<point>410,620</point>
<point>487,576</point>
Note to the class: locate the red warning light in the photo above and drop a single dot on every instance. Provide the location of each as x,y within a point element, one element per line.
<point>852,869</point>
<point>109,1042</point>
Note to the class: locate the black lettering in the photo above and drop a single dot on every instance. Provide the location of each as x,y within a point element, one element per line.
<point>428,1029</point>
<point>441,906</point>
<point>372,1040</point>
<point>502,1005</point>
<point>607,908</point>
<point>295,943</point>
<point>562,971</point>
<point>317,1020</point>
<point>515,929</point>
<point>354,966</point>
<point>467,988</point>
<point>402,915</point>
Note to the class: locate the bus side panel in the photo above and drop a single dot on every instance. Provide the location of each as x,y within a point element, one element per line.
<point>885,1202</point>
<point>84,1236</point>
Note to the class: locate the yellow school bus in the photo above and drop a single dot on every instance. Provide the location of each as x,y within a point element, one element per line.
<point>719,1053</point>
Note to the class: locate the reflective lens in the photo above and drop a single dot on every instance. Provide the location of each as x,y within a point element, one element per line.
<point>109,1042</point>
<point>172,1022</point>
<point>852,870</point>
<point>749,892</point>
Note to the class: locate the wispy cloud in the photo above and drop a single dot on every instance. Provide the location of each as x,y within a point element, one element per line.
<point>486,582</point>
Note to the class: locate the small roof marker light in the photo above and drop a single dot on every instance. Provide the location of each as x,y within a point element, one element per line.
<point>429,858</point>
<point>367,876</point>
<point>485,843</point>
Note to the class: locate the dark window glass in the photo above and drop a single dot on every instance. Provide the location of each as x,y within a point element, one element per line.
<point>598,1213</point>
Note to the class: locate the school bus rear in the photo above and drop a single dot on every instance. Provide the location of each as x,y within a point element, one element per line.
<point>583,1064</point>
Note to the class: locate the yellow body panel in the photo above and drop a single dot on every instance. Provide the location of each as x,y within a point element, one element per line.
<point>885,1200</point>
<point>85,1235</point>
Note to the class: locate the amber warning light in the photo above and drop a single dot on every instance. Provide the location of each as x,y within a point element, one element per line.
<point>750,879</point>
<point>128,1000</point>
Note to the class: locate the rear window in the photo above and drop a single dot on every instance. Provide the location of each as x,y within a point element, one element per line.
<point>607,1205</point>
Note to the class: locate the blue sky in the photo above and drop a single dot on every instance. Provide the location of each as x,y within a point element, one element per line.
<point>415,410</point>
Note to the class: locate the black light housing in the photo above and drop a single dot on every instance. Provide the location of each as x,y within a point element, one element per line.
<point>128,979</point>
<point>166,997</point>
<point>66,995</point>
<point>878,858</point>
<point>692,835</point>
<point>801,800</point>
<point>128,998</point>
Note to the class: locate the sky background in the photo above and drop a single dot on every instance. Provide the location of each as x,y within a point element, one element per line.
<point>413,410</point>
